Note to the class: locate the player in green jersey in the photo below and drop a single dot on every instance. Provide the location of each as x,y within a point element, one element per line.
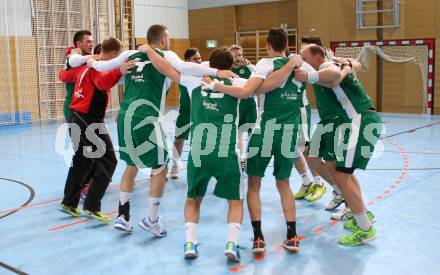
<point>248,106</point>
<point>214,123</point>
<point>183,120</point>
<point>349,140</point>
<point>276,131</point>
<point>141,138</point>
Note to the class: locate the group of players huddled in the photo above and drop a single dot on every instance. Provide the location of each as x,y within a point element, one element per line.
<point>220,101</point>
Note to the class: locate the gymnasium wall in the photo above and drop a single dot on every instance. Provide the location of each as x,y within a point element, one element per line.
<point>203,4</point>
<point>402,86</point>
<point>172,13</point>
<point>220,23</point>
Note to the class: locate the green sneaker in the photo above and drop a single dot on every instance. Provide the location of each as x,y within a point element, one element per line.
<point>304,191</point>
<point>358,237</point>
<point>74,212</point>
<point>318,192</point>
<point>351,224</point>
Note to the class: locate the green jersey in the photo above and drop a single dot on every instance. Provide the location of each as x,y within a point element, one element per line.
<point>216,109</point>
<point>145,88</point>
<point>283,103</point>
<point>184,99</point>
<point>347,99</point>
<point>243,71</point>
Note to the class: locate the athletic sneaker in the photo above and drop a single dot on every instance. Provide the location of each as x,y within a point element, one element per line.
<point>190,250</point>
<point>292,244</point>
<point>258,247</point>
<point>334,203</point>
<point>174,171</point>
<point>232,252</point>
<point>74,212</point>
<point>97,215</point>
<point>351,224</point>
<point>155,228</point>
<point>342,215</point>
<point>123,225</point>
<point>304,191</point>
<point>318,192</point>
<point>359,237</point>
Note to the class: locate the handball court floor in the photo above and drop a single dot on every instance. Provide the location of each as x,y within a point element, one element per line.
<point>402,188</point>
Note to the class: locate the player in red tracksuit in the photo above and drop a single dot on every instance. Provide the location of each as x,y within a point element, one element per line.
<point>94,153</point>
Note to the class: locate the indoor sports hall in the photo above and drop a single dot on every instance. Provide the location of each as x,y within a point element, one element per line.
<point>61,203</point>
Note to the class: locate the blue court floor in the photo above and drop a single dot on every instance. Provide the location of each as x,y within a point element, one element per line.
<point>402,188</point>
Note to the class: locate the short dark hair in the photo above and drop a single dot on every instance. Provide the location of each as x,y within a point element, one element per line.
<point>155,32</point>
<point>79,35</point>
<point>97,49</point>
<point>190,53</point>
<point>277,39</point>
<point>221,59</point>
<point>111,44</point>
<point>311,40</point>
<point>316,50</point>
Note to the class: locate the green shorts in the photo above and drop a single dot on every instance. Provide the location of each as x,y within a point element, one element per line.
<point>143,147</point>
<point>323,139</point>
<point>183,121</point>
<point>305,124</point>
<point>282,148</point>
<point>225,170</point>
<point>356,140</point>
<point>349,142</point>
<point>247,113</point>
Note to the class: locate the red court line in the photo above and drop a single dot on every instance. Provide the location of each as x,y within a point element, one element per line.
<point>111,187</point>
<point>413,152</point>
<point>78,222</point>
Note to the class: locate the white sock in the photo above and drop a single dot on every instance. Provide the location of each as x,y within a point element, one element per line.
<point>362,221</point>
<point>153,208</point>
<point>305,179</point>
<point>337,190</point>
<point>124,197</point>
<point>191,232</point>
<point>234,232</point>
<point>317,180</point>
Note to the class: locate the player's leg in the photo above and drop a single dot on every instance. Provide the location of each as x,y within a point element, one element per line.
<point>230,186</point>
<point>235,219</point>
<point>300,166</point>
<point>151,222</point>
<point>125,191</point>
<point>103,170</point>
<point>80,170</point>
<point>177,153</point>
<point>283,165</point>
<point>192,217</point>
<point>355,156</point>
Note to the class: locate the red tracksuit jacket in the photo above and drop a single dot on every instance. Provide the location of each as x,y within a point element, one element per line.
<point>92,89</point>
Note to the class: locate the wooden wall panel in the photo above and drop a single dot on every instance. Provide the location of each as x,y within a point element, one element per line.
<point>23,81</point>
<point>27,76</point>
<point>213,23</point>
<point>222,22</point>
<point>266,15</point>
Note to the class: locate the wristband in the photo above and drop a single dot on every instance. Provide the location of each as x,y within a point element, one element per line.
<point>313,77</point>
